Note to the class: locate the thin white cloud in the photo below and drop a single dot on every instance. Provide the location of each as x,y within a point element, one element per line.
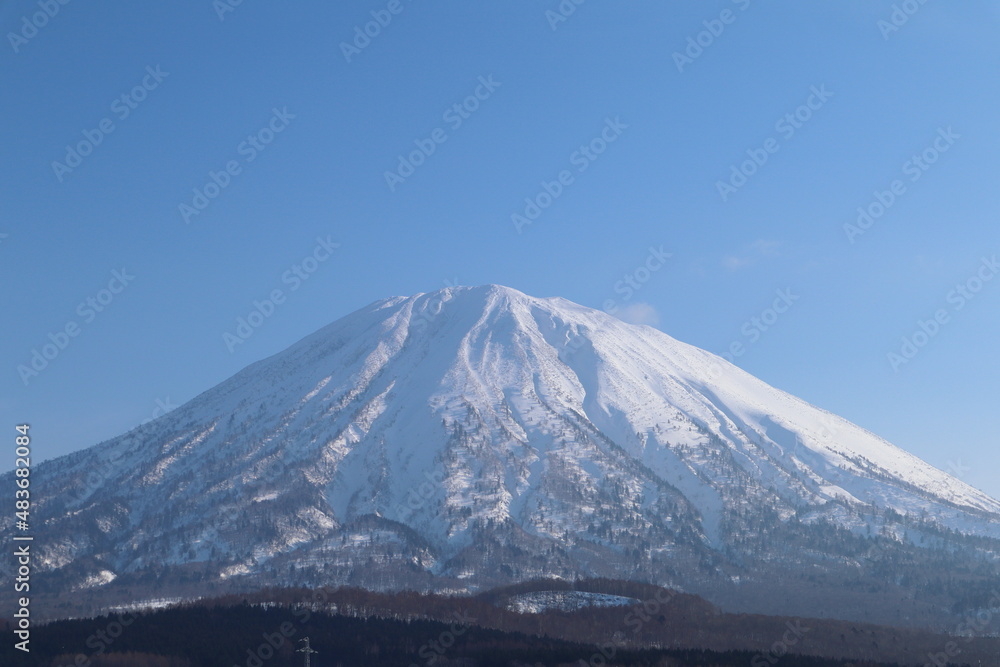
<point>734,263</point>
<point>639,313</point>
<point>751,254</point>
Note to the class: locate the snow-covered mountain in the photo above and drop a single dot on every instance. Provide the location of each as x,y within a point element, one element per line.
<point>476,436</point>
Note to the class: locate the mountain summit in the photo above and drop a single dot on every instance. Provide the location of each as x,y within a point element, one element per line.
<point>476,436</point>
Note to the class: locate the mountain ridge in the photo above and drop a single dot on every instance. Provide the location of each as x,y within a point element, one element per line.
<point>477,436</point>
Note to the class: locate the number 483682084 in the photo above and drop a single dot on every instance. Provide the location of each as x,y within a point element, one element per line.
<point>22,504</point>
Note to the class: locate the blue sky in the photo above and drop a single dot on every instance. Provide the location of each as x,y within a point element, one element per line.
<point>212,153</point>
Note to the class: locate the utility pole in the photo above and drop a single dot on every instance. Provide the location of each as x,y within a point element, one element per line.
<point>306,650</point>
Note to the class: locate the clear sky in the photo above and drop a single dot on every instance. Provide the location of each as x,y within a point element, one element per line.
<point>201,149</point>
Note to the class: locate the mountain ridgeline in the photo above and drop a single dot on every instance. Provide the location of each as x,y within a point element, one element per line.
<point>476,437</point>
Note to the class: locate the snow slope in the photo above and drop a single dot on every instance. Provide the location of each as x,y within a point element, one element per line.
<point>475,435</point>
